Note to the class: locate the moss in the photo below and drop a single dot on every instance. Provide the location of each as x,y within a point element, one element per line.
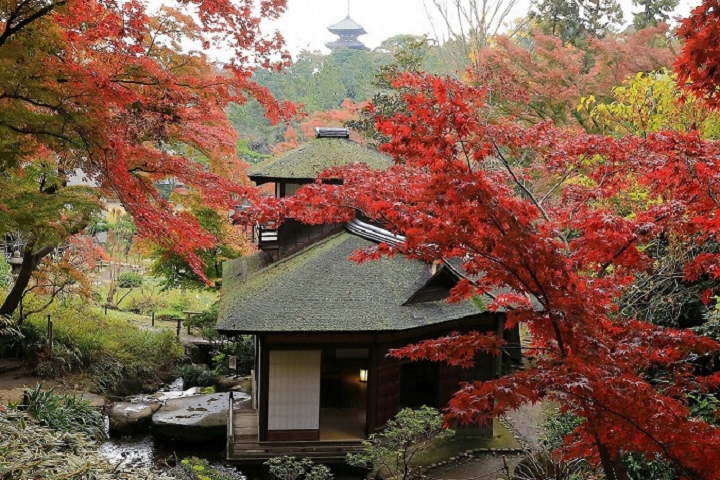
<point>320,289</point>
<point>458,444</point>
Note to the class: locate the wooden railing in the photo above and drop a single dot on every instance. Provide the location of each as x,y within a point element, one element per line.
<point>266,234</point>
<point>231,427</point>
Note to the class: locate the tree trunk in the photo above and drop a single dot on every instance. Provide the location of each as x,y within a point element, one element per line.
<point>112,290</point>
<point>613,467</point>
<point>30,263</point>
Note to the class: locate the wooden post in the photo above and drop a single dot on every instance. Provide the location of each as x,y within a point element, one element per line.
<point>179,324</point>
<point>232,364</point>
<point>50,336</point>
<point>152,319</point>
<point>188,321</point>
<point>106,309</point>
<point>231,427</point>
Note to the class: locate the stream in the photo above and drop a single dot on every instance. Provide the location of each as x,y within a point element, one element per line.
<point>143,450</point>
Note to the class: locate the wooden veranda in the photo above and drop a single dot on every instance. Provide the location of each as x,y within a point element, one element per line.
<point>243,446</point>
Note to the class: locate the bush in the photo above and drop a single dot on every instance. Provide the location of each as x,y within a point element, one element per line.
<point>541,465</point>
<point>243,349</point>
<point>146,303</point>
<point>291,468</point>
<point>410,433</point>
<point>129,280</point>
<point>106,349</point>
<point>195,376</point>
<point>10,334</point>
<point>197,469</point>
<point>555,427</point>
<point>64,413</point>
<point>31,450</point>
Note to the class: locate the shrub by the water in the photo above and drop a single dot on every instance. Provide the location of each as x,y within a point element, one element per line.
<point>106,349</point>
<point>195,376</point>
<point>197,469</point>
<point>29,449</point>
<point>64,413</point>
<point>291,468</point>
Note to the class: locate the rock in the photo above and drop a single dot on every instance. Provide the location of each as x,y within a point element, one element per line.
<point>96,401</point>
<point>239,384</point>
<point>197,419</point>
<point>132,386</point>
<point>131,417</point>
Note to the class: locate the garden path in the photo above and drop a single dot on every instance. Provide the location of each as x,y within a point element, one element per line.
<point>525,421</point>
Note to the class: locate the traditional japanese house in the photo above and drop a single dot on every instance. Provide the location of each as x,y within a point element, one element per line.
<point>324,324</point>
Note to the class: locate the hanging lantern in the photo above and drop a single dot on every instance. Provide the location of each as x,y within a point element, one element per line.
<point>363,375</point>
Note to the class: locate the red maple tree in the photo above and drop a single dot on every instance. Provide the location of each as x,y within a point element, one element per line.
<point>462,188</point>
<point>699,65</point>
<point>130,98</point>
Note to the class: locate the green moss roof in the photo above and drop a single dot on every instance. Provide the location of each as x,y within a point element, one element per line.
<point>319,289</point>
<point>309,160</point>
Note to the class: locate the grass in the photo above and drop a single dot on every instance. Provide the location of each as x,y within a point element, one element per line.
<point>108,349</point>
<point>150,298</point>
<point>65,413</point>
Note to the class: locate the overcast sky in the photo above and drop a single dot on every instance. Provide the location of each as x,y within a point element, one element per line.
<point>305,22</point>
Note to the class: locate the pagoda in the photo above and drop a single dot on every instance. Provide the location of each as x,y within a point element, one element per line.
<point>347,30</point>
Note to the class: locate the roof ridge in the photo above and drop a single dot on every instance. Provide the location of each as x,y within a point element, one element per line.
<point>371,232</point>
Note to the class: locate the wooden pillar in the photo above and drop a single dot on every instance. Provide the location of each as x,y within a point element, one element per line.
<point>371,398</point>
<point>263,387</point>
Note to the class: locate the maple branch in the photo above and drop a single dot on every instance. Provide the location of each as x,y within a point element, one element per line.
<point>623,249</point>
<point>560,182</point>
<point>636,425</point>
<point>33,132</point>
<point>55,293</point>
<point>11,29</point>
<point>519,183</point>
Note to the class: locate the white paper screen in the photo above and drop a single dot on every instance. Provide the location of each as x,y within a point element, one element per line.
<point>294,390</point>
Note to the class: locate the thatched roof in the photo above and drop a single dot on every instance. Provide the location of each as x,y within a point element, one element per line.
<point>306,162</point>
<point>321,290</point>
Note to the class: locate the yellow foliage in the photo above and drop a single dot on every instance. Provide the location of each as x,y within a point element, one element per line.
<point>652,102</point>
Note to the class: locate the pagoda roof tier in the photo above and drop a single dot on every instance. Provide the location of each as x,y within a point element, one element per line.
<point>350,43</point>
<point>348,25</point>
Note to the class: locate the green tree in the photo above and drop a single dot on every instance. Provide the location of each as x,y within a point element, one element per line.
<point>194,468</point>
<point>409,55</point>
<point>600,17</point>
<point>559,18</point>
<point>574,20</point>
<point>41,211</point>
<point>390,453</point>
<point>653,102</point>
<point>175,270</point>
<point>653,12</point>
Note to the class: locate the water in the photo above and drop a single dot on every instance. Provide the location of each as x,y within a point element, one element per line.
<point>143,450</point>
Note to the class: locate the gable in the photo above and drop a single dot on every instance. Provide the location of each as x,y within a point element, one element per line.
<point>437,288</point>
